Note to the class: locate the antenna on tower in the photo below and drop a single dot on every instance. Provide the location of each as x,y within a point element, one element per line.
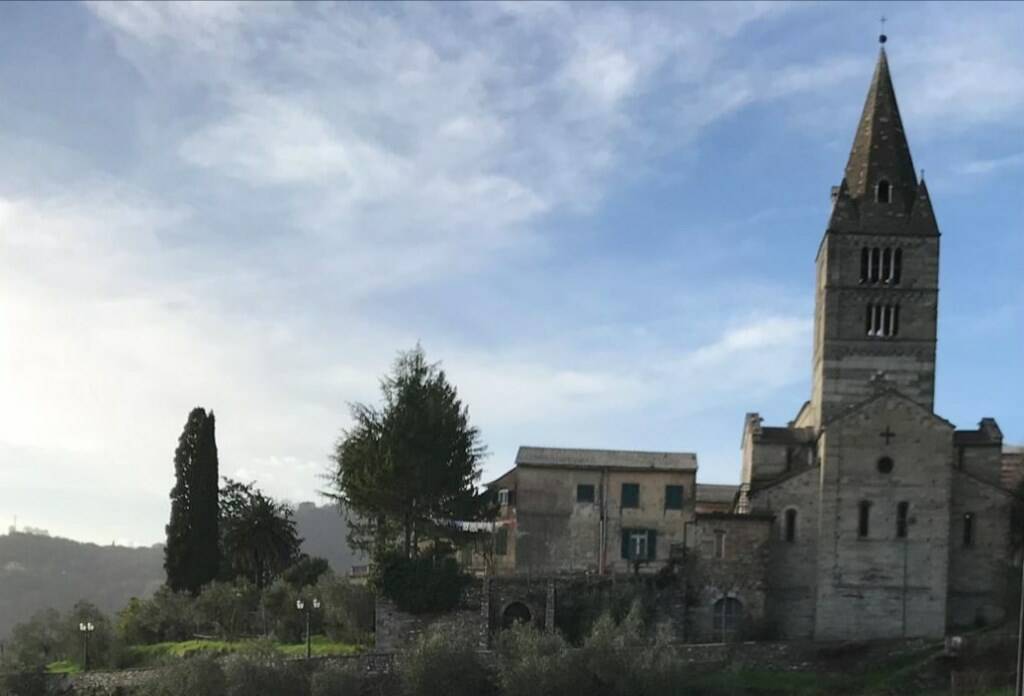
<point>882,38</point>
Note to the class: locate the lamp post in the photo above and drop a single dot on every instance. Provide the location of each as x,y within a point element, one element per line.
<point>86,628</point>
<point>300,605</point>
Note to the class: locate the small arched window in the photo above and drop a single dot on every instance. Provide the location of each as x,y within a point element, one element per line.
<point>789,530</point>
<point>863,519</point>
<point>883,194</point>
<point>969,529</point>
<point>902,511</point>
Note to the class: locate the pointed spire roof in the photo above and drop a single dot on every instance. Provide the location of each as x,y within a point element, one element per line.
<point>880,149</point>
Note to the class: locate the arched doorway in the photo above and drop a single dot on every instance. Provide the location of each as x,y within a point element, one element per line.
<point>726,619</point>
<point>514,613</point>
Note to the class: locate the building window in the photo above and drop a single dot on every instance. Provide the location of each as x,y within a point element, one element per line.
<point>882,320</point>
<point>585,493</point>
<point>639,544</point>
<point>631,495</point>
<point>885,464</point>
<point>863,519</point>
<point>673,497</point>
<point>727,616</point>
<point>883,194</point>
<point>719,544</point>
<point>902,511</point>
<point>501,542</point>
<point>503,497</point>
<point>789,530</point>
<point>969,529</point>
<point>881,265</point>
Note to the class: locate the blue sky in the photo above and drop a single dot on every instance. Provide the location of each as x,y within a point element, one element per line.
<point>602,219</point>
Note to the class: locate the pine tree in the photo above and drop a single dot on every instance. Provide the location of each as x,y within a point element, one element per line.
<point>192,555</point>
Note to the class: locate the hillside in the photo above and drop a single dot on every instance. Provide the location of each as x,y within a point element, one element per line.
<point>38,571</point>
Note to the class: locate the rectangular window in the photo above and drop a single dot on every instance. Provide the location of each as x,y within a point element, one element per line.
<point>673,497</point>
<point>639,544</point>
<point>719,544</point>
<point>631,495</point>
<point>863,519</point>
<point>585,493</point>
<point>901,519</point>
<point>501,541</point>
<point>969,529</point>
<point>503,497</point>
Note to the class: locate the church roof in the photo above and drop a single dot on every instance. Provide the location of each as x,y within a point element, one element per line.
<point>880,148</point>
<point>716,493</point>
<point>605,459</point>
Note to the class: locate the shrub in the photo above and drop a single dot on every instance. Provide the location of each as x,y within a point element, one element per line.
<point>533,663</point>
<point>23,683</point>
<point>442,662</point>
<point>431,583</point>
<point>347,609</point>
<point>197,676</point>
<point>166,616</point>
<point>336,680</point>
<point>263,670</point>
<point>227,608</point>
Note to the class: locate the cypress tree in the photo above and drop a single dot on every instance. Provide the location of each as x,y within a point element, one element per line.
<point>192,555</point>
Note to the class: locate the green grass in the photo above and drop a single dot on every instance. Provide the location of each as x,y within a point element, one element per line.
<point>321,646</point>
<point>63,667</point>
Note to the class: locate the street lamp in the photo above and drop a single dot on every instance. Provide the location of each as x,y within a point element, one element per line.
<point>86,628</point>
<point>300,605</point>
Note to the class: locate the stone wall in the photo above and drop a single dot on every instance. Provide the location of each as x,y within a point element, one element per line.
<point>739,575</point>
<point>882,585</point>
<point>979,587</point>
<point>396,629</point>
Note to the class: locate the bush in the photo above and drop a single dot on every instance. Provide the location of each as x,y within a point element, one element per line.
<point>442,663</point>
<point>166,616</point>
<point>431,583</point>
<point>196,676</point>
<point>347,609</point>
<point>336,680</point>
<point>227,608</point>
<point>23,683</point>
<point>263,670</point>
<point>534,663</point>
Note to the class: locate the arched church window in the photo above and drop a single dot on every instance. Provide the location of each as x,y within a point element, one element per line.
<point>897,265</point>
<point>875,264</point>
<point>789,530</point>
<point>864,255</point>
<point>863,519</point>
<point>886,264</point>
<point>969,529</point>
<point>902,511</point>
<point>883,193</point>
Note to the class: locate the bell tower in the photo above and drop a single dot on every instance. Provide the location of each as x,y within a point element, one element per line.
<point>877,290</point>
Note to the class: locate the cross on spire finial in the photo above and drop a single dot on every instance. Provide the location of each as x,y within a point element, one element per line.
<point>882,38</point>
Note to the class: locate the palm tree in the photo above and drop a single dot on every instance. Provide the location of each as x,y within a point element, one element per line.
<point>259,537</point>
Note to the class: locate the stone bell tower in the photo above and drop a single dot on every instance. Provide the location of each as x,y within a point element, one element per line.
<point>877,285</point>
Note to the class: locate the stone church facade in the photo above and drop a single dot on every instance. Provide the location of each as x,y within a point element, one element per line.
<point>867,516</point>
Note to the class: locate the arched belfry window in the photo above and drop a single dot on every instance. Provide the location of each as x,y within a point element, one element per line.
<point>883,194</point>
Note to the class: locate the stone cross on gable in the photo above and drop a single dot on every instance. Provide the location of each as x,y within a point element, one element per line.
<point>888,434</point>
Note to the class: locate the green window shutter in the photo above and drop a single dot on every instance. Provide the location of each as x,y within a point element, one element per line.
<point>501,543</point>
<point>630,495</point>
<point>652,542</point>
<point>625,544</point>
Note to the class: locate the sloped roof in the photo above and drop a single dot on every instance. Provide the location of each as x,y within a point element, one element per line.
<point>716,493</point>
<point>880,145</point>
<point>605,459</point>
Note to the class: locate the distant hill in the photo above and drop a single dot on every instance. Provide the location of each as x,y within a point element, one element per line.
<point>323,529</point>
<point>39,571</point>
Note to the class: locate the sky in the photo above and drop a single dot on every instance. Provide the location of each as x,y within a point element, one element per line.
<point>600,219</point>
